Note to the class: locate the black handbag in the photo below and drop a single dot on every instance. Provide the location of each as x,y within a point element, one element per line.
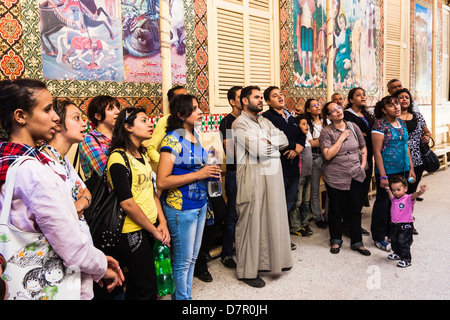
<point>104,216</point>
<point>430,160</point>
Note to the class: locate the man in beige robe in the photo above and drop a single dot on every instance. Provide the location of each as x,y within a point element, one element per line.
<point>262,231</point>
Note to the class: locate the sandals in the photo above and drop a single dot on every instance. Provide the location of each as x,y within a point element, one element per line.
<point>335,250</point>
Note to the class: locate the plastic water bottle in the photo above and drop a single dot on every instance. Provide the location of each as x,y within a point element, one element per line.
<point>214,184</point>
<point>164,277</point>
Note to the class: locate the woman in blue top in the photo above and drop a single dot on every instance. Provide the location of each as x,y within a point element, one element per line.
<point>392,157</point>
<point>182,176</point>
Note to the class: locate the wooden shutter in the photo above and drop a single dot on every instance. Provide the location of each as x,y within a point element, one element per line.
<point>396,50</point>
<point>259,52</point>
<point>445,54</point>
<point>259,4</point>
<point>242,46</point>
<point>230,52</point>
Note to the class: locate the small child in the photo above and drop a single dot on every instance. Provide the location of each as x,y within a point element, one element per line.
<point>299,213</point>
<point>402,208</point>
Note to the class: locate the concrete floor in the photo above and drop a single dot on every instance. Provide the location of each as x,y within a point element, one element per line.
<point>319,275</point>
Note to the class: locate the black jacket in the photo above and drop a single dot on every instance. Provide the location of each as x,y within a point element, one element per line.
<point>294,135</point>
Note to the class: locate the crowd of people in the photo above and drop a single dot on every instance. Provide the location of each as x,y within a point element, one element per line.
<point>274,165</point>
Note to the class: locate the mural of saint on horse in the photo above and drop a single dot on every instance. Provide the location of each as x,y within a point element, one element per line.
<point>109,40</point>
<point>354,44</point>
<point>81,40</point>
<point>142,51</point>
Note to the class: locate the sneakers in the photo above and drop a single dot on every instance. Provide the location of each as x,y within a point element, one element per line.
<point>308,230</point>
<point>394,256</point>
<point>383,245</point>
<point>293,246</point>
<point>304,232</point>
<point>403,264</point>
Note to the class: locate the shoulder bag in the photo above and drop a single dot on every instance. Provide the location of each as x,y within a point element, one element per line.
<point>32,263</point>
<point>104,216</point>
<point>430,160</point>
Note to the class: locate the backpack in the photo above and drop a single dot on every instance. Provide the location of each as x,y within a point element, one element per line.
<point>104,216</point>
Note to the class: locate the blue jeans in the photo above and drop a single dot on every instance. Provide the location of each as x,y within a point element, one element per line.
<point>290,190</point>
<point>186,231</point>
<point>299,213</point>
<point>231,218</point>
<point>316,207</point>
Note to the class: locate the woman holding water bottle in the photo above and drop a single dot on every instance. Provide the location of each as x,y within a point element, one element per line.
<point>145,221</point>
<point>182,177</point>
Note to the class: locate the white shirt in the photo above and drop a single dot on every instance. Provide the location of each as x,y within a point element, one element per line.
<point>42,204</point>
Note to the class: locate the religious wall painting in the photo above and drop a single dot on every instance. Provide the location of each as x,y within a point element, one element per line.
<point>309,43</point>
<point>355,44</point>
<point>142,45</point>
<point>422,50</point>
<point>354,47</point>
<point>81,40</point>
<point>109,40</point>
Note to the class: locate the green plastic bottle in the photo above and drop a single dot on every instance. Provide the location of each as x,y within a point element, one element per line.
<point>164,277</point>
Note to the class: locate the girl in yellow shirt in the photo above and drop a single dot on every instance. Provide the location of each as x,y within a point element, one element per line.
<point>144,220</point>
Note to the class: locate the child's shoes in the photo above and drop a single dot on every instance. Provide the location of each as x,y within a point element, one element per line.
<point>393,256</point>
<point>403,264</point>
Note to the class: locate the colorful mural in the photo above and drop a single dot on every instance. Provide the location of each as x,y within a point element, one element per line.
<point>422,50</point>
<point>142,51</point>
<point>310,43</point>
<point>354,41</point>
<point>109,40</point>
<point>81,40</point>
<point>357,48</point>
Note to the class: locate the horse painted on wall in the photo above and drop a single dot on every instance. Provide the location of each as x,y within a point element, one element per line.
<point>80,15</point>
<point>78,47</point>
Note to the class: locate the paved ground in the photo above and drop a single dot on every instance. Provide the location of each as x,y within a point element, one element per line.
<point>319,275</point>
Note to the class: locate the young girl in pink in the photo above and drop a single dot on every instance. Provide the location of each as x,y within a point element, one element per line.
<point>402,207</point>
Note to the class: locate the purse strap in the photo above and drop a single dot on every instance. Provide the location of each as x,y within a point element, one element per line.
<point>9,188</point>
<point>127,164</point>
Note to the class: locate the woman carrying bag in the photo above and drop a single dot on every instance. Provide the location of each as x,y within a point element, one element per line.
<point>41,204</point>
<point>417,132</point>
